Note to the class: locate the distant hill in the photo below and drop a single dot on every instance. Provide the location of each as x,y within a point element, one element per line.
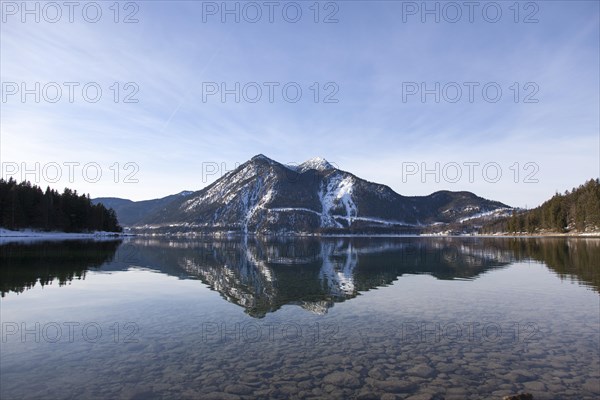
<point>575,211</point>
<point>130,212</point>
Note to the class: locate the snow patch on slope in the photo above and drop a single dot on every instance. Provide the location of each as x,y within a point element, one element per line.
<point>497,213</point>
<point>253,202</point>
<point>336,197</point>
<point>223,189</point>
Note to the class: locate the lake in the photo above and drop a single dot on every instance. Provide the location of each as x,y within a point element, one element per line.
<point>408,317</point>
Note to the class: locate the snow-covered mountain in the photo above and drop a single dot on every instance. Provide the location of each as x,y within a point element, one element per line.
<point>264,196</point>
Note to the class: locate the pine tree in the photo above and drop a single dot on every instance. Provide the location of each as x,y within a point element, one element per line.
<point>578,209</point>
<point>25,205</point>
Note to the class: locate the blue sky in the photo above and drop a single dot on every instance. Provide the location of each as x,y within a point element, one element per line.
<point>372,57</point>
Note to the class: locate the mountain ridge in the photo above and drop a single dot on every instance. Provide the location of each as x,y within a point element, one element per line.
<point>265,196</point>
<point>129,211</point>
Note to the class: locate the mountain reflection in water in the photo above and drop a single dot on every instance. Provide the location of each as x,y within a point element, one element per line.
<point>263,275</point>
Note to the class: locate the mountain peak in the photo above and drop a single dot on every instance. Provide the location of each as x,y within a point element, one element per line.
<point>318,163</point>
<point>260,157</point>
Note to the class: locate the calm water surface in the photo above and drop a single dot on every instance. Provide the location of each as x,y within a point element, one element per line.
<point>418,318</point>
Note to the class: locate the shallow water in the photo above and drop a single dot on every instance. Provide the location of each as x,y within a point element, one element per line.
<point>420,318</point>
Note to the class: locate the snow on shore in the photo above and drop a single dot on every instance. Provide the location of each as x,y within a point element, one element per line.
<point>32,235</point>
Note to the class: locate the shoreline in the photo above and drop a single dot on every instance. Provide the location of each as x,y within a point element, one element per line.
<point>7,235</point>
<point>33,235</point>
<point>200,234</point>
